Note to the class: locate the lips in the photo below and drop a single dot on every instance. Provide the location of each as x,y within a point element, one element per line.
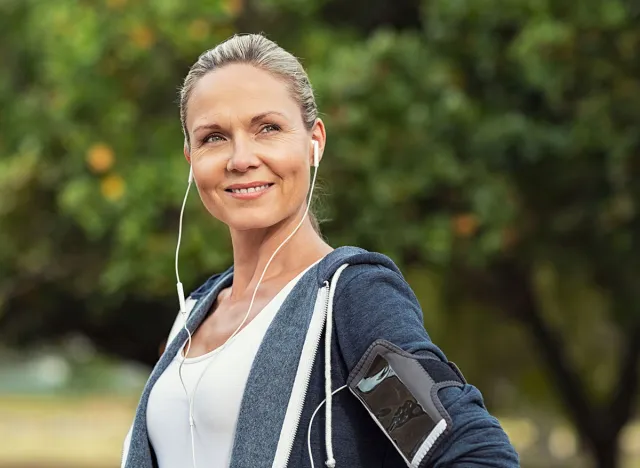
<point>251,189</point>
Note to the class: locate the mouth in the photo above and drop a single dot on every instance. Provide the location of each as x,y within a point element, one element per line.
<point>249,191</point>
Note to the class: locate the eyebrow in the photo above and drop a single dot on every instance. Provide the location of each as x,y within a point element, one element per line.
<point>254,120</point>
<point>207,127</point>
<point>261,116</point>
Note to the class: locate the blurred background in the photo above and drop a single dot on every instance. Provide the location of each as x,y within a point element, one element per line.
<point>490,147</point>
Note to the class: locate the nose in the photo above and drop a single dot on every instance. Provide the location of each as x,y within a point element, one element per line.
<point>242,157</point>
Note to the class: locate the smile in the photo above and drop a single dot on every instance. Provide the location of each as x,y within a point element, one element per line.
<point>249,193</point>
<point>250,189</point>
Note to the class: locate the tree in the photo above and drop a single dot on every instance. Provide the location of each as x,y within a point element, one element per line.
<point>502,139</point>
<point>92,168</point>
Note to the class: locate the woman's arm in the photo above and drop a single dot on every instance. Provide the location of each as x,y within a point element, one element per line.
<point>373,302</point>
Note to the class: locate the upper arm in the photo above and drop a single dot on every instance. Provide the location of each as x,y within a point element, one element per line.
<point>372,303</point>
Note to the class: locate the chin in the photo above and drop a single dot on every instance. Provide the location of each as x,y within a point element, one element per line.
<point>248,222</point>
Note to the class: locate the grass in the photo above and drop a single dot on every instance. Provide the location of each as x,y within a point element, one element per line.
<point>88,431</point>
<point>70,432</point>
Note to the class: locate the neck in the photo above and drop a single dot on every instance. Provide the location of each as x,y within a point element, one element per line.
<point>252,249</point>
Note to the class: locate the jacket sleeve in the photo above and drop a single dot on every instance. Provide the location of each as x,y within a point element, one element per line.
<point>373,302</point>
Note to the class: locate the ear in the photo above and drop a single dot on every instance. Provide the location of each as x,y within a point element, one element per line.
<point>319,134</point>
<point>187,151</point>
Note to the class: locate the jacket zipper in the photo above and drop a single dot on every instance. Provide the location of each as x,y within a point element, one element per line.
<point>305,386</point>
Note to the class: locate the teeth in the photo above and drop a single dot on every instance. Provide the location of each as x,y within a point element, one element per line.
<point>251,189</point>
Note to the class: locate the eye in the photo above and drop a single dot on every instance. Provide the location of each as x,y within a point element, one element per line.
<point>213,138</point>
<point>268,128</point>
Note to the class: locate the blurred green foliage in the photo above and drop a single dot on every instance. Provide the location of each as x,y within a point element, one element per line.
<point>491,151</point>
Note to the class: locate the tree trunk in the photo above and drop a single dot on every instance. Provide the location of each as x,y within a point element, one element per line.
<point>606,453</point>
<point>599,426</point>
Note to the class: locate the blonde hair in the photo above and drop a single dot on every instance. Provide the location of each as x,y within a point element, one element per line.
<point>256,50</point>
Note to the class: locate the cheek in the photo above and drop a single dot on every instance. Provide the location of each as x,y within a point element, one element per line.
<point>295,178</point>
<point>208,174</point>
<point>211,202</point>
<point>208,170</point>
<point>295,190</point>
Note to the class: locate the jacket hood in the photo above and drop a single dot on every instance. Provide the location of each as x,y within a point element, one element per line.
<point>352,256</point>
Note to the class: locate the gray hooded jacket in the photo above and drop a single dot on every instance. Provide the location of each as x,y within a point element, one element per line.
<point>339,307</point>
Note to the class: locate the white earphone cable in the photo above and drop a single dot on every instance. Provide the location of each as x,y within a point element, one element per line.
<point>183,308</point>
<point>184,204</point>
<point>253,297</point>
<point>183,303</point>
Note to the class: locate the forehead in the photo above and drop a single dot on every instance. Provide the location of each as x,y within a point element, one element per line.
<point>239,91</point>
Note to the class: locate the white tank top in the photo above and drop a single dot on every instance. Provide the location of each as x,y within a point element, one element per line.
<point>216,401</point>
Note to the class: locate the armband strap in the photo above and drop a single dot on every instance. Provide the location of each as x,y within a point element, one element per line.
<point>400,392</point>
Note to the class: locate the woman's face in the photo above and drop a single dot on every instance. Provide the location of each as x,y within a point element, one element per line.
<point>250,150</point>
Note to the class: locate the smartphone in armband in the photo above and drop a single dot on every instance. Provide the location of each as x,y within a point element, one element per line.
<point>400,392</point>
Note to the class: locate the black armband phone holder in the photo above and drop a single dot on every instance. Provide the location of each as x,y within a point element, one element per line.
<point>400,392</point>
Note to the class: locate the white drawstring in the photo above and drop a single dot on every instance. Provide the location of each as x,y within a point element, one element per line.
<point>331,462</point>
<point>311,424</point>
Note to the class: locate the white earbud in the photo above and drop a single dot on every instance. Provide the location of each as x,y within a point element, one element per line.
<point>316,155</point>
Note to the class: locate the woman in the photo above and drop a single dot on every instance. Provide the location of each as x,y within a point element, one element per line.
<point>299,354</point>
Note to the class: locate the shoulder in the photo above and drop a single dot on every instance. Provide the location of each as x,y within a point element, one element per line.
<point>358,259</point>
<point>378,288</point>
<point>370,276</point>
<point>357,277</point>
<point>373,283</point>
